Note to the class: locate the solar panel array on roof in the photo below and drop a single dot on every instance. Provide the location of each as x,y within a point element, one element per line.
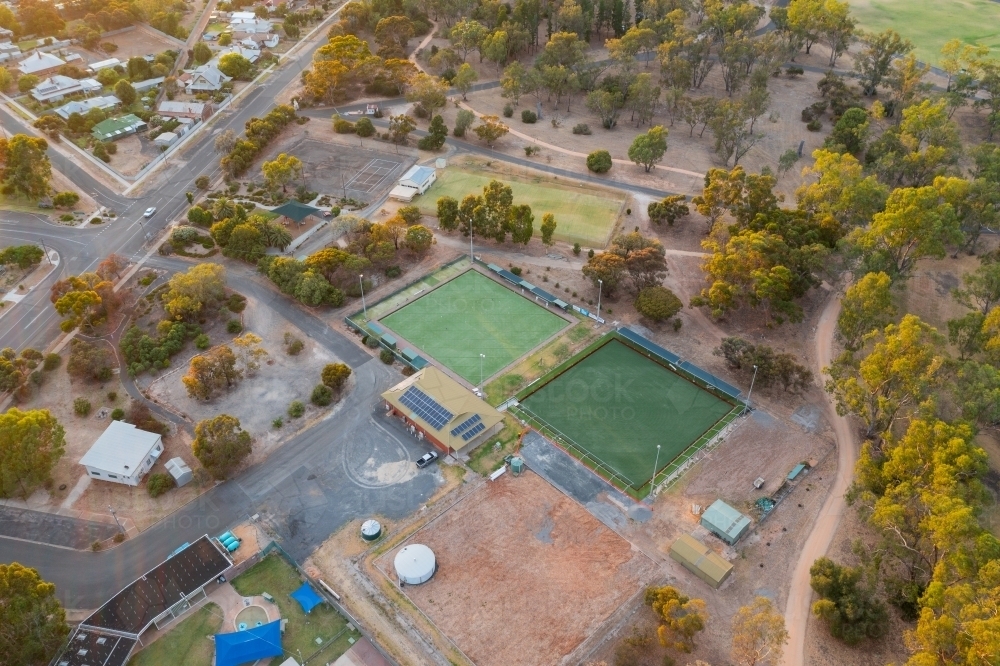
<point>134,608</point>
<point>90,648</point>
<point>426,407</point>
<point>472,432</point>
<point>467,423</point>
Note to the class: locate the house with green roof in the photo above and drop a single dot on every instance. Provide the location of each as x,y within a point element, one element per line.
<point>113,129</point>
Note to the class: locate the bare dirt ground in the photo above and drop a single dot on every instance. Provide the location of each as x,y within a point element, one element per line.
<point>138,42</point>
<point>134,152</point>
<point>72,491</point>
<point>762,445</point>
<point>516,551</point>
<point>257,400</point>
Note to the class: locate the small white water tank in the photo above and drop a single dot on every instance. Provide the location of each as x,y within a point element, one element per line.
<point>415,564</point>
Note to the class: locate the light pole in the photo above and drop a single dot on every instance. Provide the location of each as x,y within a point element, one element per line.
<point>652,482</point>
<point>116,519</point>
<point>472,256</point>
<point>600,288</point>
<point>481,357</point>
<point>750,392</point>
<point>361,281</point>
<point>45,249</point>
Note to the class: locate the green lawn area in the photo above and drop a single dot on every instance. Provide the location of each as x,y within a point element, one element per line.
<point>473,315</point>
<point>276,577</point>
<point>580,217</point>
<point>216,27</point>
<point>618,405</point>
<point>12,202</point>
<point>186,643</point>
<point>931,23</point>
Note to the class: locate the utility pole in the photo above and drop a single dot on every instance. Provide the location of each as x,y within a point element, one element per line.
<point>116,519</point>
<point>45,250</point>
<point>750,392</point>
<point>361,281</point>
<point>600,288</point>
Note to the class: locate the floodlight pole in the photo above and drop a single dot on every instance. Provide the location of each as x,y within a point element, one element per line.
<point>481,357</point>
<point>472,256</point>
<point>45,249</point>
<point>116,519</point>
<point>361,281</point>
<point>652,481</point>
<point>600,288</point>
<point>746,405</point>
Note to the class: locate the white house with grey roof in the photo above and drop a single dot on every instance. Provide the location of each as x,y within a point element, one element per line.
<point>206,78</point>
<point>83,106</point>
<point>122,454</point>
<point>57,86</point>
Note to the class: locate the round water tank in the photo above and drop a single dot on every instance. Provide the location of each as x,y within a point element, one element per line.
<point>516,465</point>
<point>371,530</point>
<point>415,564</point>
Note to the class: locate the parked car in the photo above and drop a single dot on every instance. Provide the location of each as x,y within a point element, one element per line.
<point>427,459</point>
<point>149,212</point>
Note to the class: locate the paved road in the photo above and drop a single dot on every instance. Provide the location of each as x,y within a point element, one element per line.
<point>52,528</point>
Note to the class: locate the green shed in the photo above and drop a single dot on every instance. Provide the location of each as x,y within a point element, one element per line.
<point>725,522</point>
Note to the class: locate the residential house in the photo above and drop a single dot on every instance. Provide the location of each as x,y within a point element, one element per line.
<point>113,129</point>
<point>251,53</point>
<point>84,105</point>
<point>10,49</point>
<point>6,34</point>
<point>95,67</point>
<point>57,87</point>
<point>258,40</point>
<point>206,78</point>
<point>193,110</point>
<point>259,27</point>
<point>40,64</point>
<point>122,454</point>
<point>242,16</point>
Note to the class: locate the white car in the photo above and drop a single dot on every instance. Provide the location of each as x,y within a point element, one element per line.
<point>149,212</point>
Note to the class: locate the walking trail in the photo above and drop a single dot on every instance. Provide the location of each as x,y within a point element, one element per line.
<point>797,610</point>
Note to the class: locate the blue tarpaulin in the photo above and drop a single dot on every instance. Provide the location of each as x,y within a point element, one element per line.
<point>246,646</point>
<point>307,597</point>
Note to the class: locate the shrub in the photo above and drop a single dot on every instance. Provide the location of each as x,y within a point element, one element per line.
<point>590,253</point>
<point>531,150</point>
<point>234,326</point>
<point>236,303</point>
<point>808,115</point>
<point>341,126</point>
<point>112,395</point>
<point>528,116</point>
<point>201,182</point>
<point>96,220</point>
<point>364,128</point>
<point>794,70</point>
<point>159,483</point>
<point>52,362</point>
<point>322,395</point>
<point>81,406</point>
<point>508,111</point>
<point>296,409</point>
<point>278,422</point>
<point>581,128</point>
<point>599,161</point>
<point>386,356</point>
<point>657,303</point>
<point>293,345</point>
<point>516,270</point>
<point>411,214</point>
<point>576,249</point>
<point>202,342</point>
<point>117,414</point>
<point>393,271</point>
<point>335,375</point>
<point>814,125</point>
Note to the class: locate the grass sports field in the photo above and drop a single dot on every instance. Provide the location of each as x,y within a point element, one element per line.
<point>473,315</point>
<point>580,217</point>
<point>931,23</point>
<point>617,405</point>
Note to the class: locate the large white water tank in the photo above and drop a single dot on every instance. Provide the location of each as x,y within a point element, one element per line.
<point>415,564</point>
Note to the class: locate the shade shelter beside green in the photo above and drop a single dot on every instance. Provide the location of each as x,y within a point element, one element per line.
<point>295,211</point>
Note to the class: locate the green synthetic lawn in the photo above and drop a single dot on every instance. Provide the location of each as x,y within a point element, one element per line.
<point>186,643</point>
<point>473,315</point>
<point>580,217</point>
<point>931,23</point>
<point>618,405</point>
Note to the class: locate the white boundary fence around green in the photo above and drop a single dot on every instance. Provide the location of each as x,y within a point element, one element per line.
<point>692,454</point>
